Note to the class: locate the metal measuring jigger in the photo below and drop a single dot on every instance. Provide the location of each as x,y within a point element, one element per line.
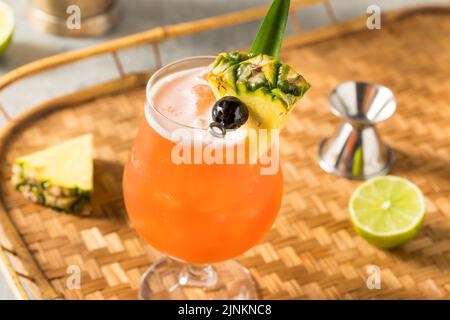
<point>356,150</point>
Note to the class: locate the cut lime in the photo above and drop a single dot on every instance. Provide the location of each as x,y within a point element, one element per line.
<point>6,26</point>
<point>387,211</point>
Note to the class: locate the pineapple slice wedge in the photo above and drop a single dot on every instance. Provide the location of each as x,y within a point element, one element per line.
<point>268,87</point>
<point>60,177</point>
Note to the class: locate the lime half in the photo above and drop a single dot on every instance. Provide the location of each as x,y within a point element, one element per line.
<point>387,211</point>
<point>6,26</point>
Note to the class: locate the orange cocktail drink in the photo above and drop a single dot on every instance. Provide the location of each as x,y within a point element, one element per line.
<point>196,197</point>
<point>196,211</point>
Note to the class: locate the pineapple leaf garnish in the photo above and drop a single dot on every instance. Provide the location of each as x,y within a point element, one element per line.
<point>270,35</point>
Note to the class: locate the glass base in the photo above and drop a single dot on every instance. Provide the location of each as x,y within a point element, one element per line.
<point>167,279</point>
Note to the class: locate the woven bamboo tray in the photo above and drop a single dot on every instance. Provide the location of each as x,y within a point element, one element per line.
<point>312,251</point>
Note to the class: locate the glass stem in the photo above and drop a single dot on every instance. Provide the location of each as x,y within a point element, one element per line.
<point>198,276</point>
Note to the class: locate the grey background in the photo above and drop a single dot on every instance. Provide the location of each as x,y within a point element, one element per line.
<point>139,15</point>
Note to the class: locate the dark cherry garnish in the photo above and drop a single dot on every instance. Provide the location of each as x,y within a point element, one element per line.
<point>230,112</point>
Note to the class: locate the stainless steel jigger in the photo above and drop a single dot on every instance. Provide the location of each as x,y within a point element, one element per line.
<point>356,150</point>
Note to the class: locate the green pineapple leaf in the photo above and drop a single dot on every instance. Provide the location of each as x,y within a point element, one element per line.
<point>270,35</point>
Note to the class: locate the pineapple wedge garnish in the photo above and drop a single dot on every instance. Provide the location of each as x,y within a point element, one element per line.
<point>60,177</point>
<point>268,87</point>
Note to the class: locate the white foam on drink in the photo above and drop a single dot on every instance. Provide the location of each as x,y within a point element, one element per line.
<point>174,97</point>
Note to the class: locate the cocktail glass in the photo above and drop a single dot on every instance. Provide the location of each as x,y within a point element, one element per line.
<point>199,215</point>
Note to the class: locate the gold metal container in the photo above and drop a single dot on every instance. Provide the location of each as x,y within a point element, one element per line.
<point>95,17</point>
